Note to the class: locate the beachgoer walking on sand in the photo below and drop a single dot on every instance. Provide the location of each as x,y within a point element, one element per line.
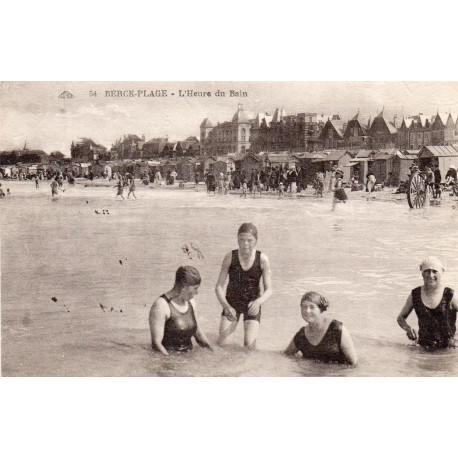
<point>131,187</point>
<point>435,307</point>
<point>120,187</point>
<point>173,318</point>
<point>322,339</point>
<point>281,190</point>
<point>244,188</point>
<point>242,295</point>
<point>37,182</point>
<point>54,185</point>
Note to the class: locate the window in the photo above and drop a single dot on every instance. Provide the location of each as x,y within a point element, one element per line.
<point>243,135</point>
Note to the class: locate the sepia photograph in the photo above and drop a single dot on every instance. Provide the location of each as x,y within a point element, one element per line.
<point>229,229</point>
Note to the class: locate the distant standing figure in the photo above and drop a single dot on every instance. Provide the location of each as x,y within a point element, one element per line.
<point>158,178</point>
<point>281,190</point>
<point>340,195</point>
<point>54,185</point>
<point>430,179</point>
<point>371,180</point>
<point>37,182</point>
<point>221,184</point>
<point>319,184</point>
<point>322,339</point>
<point>333,178</point>
<point>120,187</point>
<point>435,307</point>
<point>244,188</point>
<point>131,187</point>
<point>437,182</point>
<point>293,181</point>
<point>173,176</point>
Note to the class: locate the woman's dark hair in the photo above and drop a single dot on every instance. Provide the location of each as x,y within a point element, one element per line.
<point>187,276</point>
<point>248,228</point>
<point>316,298</point>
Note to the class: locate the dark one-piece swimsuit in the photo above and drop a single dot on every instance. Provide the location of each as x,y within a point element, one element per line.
<point>437,325</point>
<point>244,286</point>
<point>179,328</point>
<point>328,350</point>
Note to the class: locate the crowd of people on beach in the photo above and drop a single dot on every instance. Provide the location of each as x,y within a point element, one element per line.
<point>244,285</point>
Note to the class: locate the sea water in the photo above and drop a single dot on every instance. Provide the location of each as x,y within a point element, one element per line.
<point>105,270</point>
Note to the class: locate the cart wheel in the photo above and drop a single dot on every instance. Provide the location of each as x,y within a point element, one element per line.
<point>416,192</point>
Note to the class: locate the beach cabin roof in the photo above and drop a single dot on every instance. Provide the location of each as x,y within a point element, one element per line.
<point>411,152</point>
<point>280,158</point>
<point>363,153</point>
<point>335,155</point>
<point>438,151</point>
<point>240,156</point>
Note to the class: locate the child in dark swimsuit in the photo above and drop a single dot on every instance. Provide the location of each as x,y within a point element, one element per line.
<point>172,319</point>
<point>120,187</point>
<point>322,339</point>
<point>245,268</point>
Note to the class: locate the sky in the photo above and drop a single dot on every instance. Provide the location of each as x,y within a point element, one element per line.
<point>32,112</point>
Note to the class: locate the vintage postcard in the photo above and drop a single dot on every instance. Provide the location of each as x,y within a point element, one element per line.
<point>229,228</point>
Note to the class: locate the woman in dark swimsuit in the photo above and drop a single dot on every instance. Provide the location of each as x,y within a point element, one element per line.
<point>435,306</point>
<point>245,268</point>
<point>172,318</point>
<point>322,339</point>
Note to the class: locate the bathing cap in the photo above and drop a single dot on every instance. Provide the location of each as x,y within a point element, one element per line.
<point>431,262</point>
<point>248,228</point>
<point>187,276</point>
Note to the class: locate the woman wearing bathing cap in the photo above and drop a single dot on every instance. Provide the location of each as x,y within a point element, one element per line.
<point>173,318</point>
<point>435,306</point>
<point>243,295</point>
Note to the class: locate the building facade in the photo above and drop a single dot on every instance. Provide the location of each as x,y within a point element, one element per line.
<point>356,133</point>
<point>128,147</point>
<point>383,133</point>
<point>86,150</point>
<point>227,137</point>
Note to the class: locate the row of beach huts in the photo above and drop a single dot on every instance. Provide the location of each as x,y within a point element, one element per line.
<point>389,166</point>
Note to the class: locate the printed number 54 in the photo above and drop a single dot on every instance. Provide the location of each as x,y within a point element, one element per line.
<point>92,93</point>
